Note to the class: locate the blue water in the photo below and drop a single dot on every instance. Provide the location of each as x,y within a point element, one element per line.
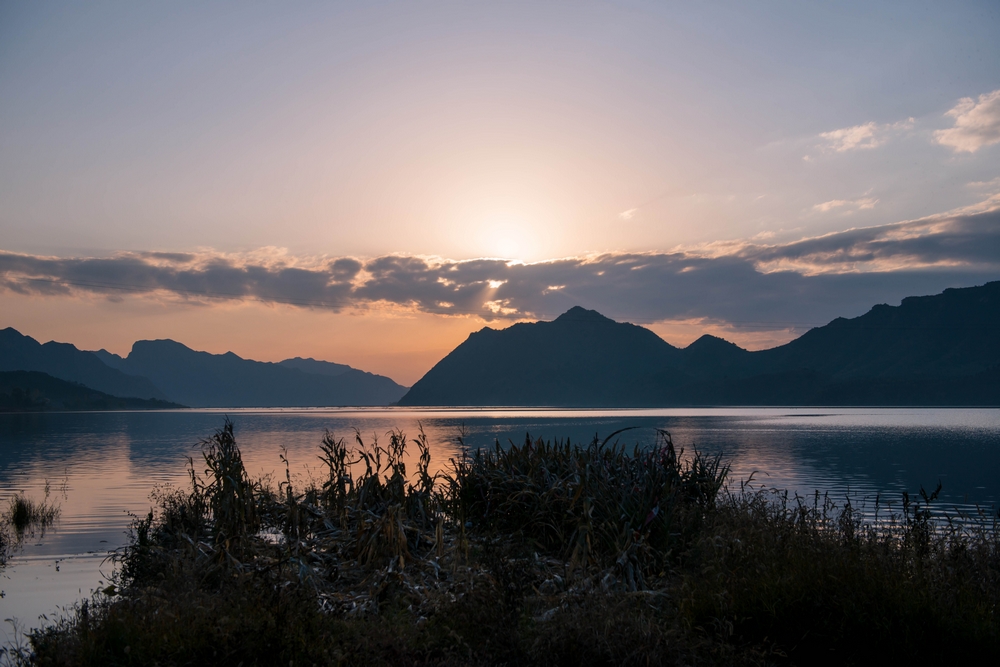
<point>99,466</point>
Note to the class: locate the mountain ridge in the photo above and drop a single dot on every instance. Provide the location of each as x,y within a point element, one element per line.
<point>209,380</point>
<point>930,350</point>
<point>65,361</point>
<point>203,379</point>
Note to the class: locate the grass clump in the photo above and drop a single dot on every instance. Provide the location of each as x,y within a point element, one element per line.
<point>542,553</point>
<point>22,517</point>
<point>598,505</point>
<point>24,514</point>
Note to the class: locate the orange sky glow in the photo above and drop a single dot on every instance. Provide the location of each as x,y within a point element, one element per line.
<point>369,183</point>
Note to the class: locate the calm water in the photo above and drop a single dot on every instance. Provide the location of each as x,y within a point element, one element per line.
<point>99,466</point>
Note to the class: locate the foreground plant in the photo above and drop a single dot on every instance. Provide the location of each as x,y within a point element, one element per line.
<point>539,553</point>
<point>24,514</point>
<point>22,517</point>
<point>598,505</point>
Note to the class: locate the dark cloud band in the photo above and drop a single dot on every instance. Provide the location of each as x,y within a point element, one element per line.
<point>766,286</point>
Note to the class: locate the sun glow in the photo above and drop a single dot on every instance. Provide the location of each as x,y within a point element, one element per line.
<point>507,237</point>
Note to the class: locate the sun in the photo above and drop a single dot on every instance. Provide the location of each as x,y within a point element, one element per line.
<point>506,236</point>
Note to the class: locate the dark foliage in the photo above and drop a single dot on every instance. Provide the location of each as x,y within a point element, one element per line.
<point>537,554</point>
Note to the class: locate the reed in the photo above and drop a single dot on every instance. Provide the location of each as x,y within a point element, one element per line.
<point>826,585</point>
<point>24,514</point>
<point>540,553</point>
<point>595,505</point>
<point>227,490</point>
<point>22,517</point>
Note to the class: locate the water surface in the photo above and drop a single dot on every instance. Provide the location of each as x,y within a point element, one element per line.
<point>98,467</point>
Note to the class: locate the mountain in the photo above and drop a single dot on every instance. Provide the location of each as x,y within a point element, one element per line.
<point>581,358</point>
<point>951,334</point>
<point>110,358</point>
<point>931,350</point>
<point>167,370</point>
<point>201,379</point>
<point>66,362</point>
<point>31,391</point>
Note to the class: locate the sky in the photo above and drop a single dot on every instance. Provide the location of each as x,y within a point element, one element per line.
<point>368,183</point>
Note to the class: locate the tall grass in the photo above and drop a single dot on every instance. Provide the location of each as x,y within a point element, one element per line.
<point>21,518</point>
<point>593,505</point>
<point>24,514</point>
<point>228,490</point>
<point>541,553</point>
<point>821,580</point>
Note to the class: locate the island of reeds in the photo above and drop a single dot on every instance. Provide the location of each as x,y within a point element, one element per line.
<point>541,553</point>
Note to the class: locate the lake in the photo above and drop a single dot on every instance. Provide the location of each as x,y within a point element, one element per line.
<point>98,467</point>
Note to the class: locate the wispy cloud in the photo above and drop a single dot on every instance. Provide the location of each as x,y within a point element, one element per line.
<point>851,138</point>
<point>993,184</point>
<point>814,279</point>
<point>861,137</point>
<point>628,215</point>
<point>977,124</point>
<point>847,205</point>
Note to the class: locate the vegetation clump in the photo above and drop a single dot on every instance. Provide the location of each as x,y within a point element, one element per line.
<point>24,514</point>
<point>21,518</point>
<point>591,506</point>
<point>541,553</point>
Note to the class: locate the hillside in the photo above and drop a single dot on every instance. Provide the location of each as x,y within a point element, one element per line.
<point>951,334</point>
<point>31,391</point>
<point>66,362</point>
<point>932,350</point>
<point>201,379</point>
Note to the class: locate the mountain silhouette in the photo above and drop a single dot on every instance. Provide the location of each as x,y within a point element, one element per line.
<point>66,362</point>
<point>580,358</point>
<point>201,379</point>
<point>931,350</point>
<point>950,334</point>
<point>169,371</point>
<point>32,391</point>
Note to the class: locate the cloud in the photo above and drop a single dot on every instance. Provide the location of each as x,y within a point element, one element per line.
<point>977,124</point>
<point>949,242</point>
<point>850,205</point>
<point>988,185</point>
<point>860,137</point>
<point>851,138</point>
<point>743,283</point>
<point>628,215</point>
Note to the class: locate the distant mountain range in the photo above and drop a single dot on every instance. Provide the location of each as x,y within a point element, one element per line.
<point>226,380</point>
<point>931,350</point>
<point>169,371</point>
<point>32,391</point>
<point>66,362</point>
